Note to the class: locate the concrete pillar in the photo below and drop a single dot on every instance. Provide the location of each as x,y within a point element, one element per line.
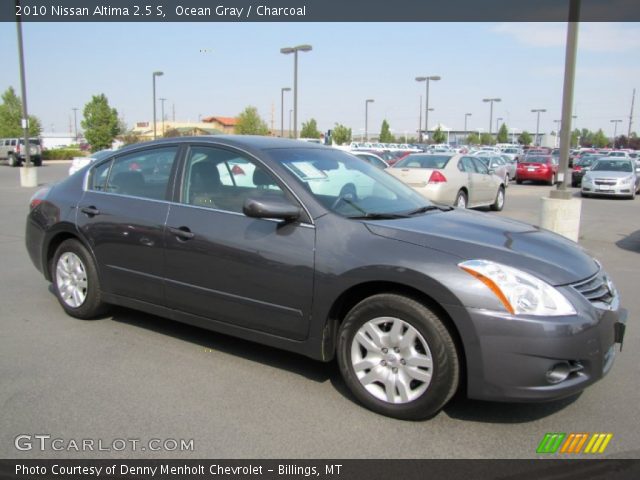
<point>562,216</point>
<point>28,176</point>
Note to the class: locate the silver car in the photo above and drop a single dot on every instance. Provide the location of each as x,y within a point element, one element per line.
<point>611,176</point>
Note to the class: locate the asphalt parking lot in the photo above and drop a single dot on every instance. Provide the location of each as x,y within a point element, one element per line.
<point>136,376</point>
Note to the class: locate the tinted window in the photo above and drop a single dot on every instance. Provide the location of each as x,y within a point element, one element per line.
<point>612,166</point>
<point>223,180</point>
<point>99,177</point>
<point>466,164</point>
<point>424,161</point>
<point>480,165</point>
<point>142,174</point>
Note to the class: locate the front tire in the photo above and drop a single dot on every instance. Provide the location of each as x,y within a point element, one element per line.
<point>397,357</point>
<point>75,281</point>
<point>13,161</point>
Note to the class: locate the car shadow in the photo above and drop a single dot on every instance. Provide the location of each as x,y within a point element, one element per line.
<point>255,352</point>
<point>462,408</point>
<point>631,242</point>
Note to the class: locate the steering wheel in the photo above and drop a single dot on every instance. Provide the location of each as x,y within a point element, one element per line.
<point>347,192</point>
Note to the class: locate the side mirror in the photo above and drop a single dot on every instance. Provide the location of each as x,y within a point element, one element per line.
<point>269,208</point>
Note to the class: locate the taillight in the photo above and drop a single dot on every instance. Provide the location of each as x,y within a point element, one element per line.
<point>18,149</point>
<point>577,168</point>
<point>38,197</point>
<point>437,177</point>
<point>237,170</point>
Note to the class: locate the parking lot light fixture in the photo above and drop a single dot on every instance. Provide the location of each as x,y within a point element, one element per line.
<point>538,111</point>
<point>155,74</point>
<point>295,50</point>
<point>282,90</point>
<point>615,131</point>
<point>366,118</point>
<point>466,116</point>
<point>491,102</point>
<point>428,79</point>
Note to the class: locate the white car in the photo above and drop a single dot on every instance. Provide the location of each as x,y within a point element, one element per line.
<point>79,162</point>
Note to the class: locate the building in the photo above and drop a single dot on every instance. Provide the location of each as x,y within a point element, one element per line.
<point>224,124</point>
<point>144,130</point>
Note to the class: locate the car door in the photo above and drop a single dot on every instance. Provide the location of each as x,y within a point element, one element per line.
<point>486,188</point>
<point>122,214</point>
<point>224,266</point>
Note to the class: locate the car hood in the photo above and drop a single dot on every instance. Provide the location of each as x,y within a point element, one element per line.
<point>474,235</point>
<point>608,174</point>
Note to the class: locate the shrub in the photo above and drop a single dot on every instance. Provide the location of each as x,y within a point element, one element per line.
<point>62,154</point>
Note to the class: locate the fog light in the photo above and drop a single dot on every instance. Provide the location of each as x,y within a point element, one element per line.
<point>559,372</point>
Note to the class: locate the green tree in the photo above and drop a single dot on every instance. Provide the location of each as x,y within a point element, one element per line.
<point>130,138</point>
<point>100,124</point>
<point>473,139</point>
<point>487,139</point>
<point>341,134</point>
<point>385,133</point>
<point>172,132</point>
<point>310,129</point>
<point>11,117</point>
<point>525,138</point>
<point>250,123</point>
<point>586,137</point>
<point>438,136</point>
<point>599,139</point>
<point>503,134</point>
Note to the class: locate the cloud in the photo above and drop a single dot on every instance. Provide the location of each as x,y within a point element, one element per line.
<point>593,37</point>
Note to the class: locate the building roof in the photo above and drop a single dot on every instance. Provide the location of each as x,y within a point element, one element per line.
<point>226,121</point>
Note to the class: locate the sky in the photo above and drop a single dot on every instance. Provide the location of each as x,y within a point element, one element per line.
<point>218,69</point>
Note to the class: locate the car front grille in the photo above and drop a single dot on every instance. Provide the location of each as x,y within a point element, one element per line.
<point>596,289</point>
<point>604,181</point>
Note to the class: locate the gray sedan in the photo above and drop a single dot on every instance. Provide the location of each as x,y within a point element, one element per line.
<point>309,249</point>
<point>612,177</point>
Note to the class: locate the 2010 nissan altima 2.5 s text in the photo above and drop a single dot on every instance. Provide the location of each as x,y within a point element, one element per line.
<point>307,248</point>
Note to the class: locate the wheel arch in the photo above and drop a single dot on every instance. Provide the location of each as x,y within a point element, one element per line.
<point>356,293</point>
<point>52,244</point>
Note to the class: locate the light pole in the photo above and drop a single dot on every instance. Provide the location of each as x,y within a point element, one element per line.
<point>162,113</point>
<point>498,120</point>
<point>513,135</point>
<point>366,118</point>
<point>75,122</point>
<point>557,122</point>
<point>538,111</point>
<point>155,74</point>
<point>23,88</point>
<point>290,114</point>
<point>295,50</point>
<point>420,121</point>
<point>434,78</point>
<point>282,90</point>
<point>466,116</point>
<point>615,131</point>
<point>479,133</point>
<point>491,101</point>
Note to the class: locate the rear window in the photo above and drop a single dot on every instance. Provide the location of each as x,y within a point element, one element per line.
<point>534,159</point>
<point>424,161</point>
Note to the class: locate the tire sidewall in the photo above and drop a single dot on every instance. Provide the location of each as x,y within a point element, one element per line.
<point>445,370</point>
<point>463,195</point>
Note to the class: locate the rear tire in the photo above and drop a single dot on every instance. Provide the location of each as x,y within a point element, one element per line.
<point>498,205</point>
<point>397,357</point>
<point>552,181</point>
<point>13,161</point>
<point>461,199</point>
<point>75,281</point>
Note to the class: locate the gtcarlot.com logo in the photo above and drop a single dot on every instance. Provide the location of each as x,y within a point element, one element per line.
<point>574,443</point>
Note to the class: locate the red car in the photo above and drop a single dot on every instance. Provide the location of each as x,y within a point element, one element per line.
<point>539,168</point>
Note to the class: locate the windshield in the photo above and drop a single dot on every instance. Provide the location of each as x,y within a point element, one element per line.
<point>612,166</point>
<point>423,161</point>
<point>348,185</point>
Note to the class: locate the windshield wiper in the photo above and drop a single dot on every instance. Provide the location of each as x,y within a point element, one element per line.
<point>429,208</point>
<point>380,216</point>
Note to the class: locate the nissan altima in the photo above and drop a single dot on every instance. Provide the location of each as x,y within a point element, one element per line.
<point>310,249</point>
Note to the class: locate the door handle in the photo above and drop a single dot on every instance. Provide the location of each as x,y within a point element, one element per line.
<point>183,233</point>
<point>90,211</point>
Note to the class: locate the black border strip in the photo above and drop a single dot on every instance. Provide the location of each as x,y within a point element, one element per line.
<point>320,10</point>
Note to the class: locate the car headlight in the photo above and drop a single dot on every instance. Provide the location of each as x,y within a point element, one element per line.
<point>626,180</point>
<point>519,292</point>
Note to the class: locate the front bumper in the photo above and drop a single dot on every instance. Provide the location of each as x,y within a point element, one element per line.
<point>613,190</point>
<point>513,355</point>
